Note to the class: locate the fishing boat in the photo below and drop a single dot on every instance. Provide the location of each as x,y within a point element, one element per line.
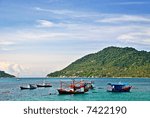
<point>30,86</point>
<point>44,85</point>
<point>120,87</point>
<point>72,88</point>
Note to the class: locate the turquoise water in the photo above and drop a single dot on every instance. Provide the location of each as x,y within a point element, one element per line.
<point>10,90</point>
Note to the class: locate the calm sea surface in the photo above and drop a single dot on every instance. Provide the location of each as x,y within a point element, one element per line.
<point>10,90</point>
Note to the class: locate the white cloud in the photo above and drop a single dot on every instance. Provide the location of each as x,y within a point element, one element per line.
<point>131,3</point>
<point>33,64</point>
<point>124,18</point>
<point>15,68</point>
<point>4,65</point>
<point>63,13</point>
<point>6,43</point>
<point>137,37</point>
<point>28,35</point>
<point>96,16</point>
<point>50,1</point>
<point>76,32</point>
<point>40,35</point>
<point>60,12</point>
<point>45,23</point>
<point>11,67</point>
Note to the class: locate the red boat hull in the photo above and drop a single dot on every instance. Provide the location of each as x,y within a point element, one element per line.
<point>124,89</point>
<point>62,91</point>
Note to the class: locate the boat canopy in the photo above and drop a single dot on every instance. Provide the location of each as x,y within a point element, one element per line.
<point>117,84</point>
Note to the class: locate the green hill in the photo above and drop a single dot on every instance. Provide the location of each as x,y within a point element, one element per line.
<point>109,62</point>
<point>3,74</point>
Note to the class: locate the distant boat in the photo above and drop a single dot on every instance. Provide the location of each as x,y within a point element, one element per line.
<point>44,85</point>
<point>120,87</point>
<point>17,77</point>
<point>30,86</point>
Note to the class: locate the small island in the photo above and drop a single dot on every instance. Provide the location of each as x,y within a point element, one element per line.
<point>5,75</point>
<point>109,62</point>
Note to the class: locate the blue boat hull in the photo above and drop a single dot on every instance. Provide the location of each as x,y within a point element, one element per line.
<point>125,89</point>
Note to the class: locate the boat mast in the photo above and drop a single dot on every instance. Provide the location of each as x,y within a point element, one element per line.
<point>61,84</point>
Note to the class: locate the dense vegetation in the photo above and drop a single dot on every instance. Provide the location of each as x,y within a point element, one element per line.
<point>110,62</point>
<point>3,74</point>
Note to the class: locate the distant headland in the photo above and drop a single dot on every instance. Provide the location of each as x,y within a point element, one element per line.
<point>3,74</point>
<point>109,62</point>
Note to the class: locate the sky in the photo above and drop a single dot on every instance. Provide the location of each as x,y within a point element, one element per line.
<point>38,37</point>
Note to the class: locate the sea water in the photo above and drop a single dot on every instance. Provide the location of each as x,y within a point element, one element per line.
<point>10,90</point>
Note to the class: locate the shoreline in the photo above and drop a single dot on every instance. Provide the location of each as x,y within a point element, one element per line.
<point>75,77</point>
<point>100,77</point>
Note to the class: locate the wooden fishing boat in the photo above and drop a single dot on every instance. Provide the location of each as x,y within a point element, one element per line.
<point>30,86</point>
<point>120,87</point>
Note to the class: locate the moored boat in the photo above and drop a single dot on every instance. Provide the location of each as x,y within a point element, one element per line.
<point>30,86</point>
<point>44,85</point>
<point>120,87</point>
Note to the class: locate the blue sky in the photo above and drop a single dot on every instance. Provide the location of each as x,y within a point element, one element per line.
<point>41,36</point>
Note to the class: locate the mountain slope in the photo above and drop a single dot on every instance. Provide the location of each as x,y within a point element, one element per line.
<point>110,62</point>
<point>3,74</point>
